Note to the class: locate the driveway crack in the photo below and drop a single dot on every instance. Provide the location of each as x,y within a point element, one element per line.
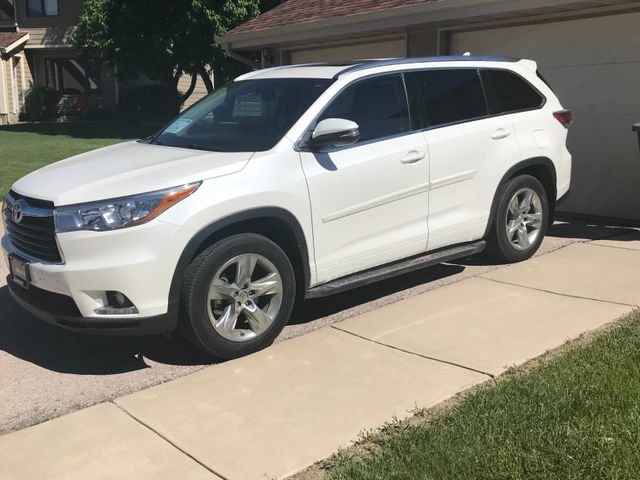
<point>557,293</point>
<point>615,246</point>
<point>426,357</point>
<point>214,473</point>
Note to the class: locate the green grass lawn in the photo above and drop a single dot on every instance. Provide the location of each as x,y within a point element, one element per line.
<point>27,147</point>
<point>576,417</point>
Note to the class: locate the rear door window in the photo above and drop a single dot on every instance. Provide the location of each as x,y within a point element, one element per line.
<point>378,105</point>
<point>508,92</point>
<point>442,97</point>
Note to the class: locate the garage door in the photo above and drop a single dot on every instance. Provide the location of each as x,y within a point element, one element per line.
<point>387,48</point>
<point>594,67</point>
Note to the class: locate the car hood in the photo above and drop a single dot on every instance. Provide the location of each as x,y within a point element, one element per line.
<point>125,169</point>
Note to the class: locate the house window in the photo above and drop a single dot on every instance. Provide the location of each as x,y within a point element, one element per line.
<point>6,11</point>
<point>73,76</point>
<point>42,8</point>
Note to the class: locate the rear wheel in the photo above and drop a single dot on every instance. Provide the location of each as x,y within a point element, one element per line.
<point>521,220</point>
<point>238,296</point>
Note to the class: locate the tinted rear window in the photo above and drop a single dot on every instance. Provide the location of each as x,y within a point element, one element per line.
<point>440,97</point>
<point>507,92</point>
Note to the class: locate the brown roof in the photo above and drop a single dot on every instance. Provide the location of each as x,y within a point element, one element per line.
<point>7,38</point>
<point>295,12</point>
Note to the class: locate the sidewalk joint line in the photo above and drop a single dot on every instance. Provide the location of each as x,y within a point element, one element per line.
<point>568,295</point>
<point>616,247</point>
<point>426,357</point>
<point>213,472</point>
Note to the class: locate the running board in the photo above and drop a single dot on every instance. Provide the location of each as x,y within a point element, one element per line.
<point>393,269</point>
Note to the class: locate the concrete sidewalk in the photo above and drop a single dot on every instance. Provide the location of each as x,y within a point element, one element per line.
<point>274,413</point>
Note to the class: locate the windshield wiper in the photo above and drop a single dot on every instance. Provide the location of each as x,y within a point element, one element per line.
<point>195,146</point>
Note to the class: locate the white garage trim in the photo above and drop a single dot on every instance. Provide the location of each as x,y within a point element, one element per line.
<point>543,18</point>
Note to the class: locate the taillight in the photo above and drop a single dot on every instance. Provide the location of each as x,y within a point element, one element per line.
<point>565,117</point>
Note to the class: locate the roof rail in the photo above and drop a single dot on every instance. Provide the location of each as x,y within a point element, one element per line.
<point>402,61</point>
<point>252,73</point>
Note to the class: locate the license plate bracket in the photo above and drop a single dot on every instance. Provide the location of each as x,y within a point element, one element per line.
<point>19,270</point>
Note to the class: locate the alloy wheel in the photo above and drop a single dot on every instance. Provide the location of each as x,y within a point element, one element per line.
<point>524,219</point>
<point>244,297</point>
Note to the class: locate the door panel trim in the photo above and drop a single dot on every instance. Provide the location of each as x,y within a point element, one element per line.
<point>457,178</point>
<point>377,202</point>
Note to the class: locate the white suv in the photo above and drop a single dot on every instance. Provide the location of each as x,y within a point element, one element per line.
<point>290,182</point>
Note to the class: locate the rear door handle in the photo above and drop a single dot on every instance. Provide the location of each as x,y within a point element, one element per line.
<point>500,134</point>
<point>413,157</point>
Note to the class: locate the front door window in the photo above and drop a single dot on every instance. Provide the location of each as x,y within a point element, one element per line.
<point>7,12</point>
<point>378,105</point>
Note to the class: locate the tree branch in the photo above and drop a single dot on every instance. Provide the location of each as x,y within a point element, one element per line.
<point>206,79</point>
<point>190,90</point>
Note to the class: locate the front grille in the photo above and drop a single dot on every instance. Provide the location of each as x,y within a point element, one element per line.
<point>35,234</point>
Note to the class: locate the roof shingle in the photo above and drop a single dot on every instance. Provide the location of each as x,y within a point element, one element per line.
<point>295,12</point>
<point>7,38</point>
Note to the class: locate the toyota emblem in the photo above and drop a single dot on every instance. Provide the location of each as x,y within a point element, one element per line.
<point>16,212</point>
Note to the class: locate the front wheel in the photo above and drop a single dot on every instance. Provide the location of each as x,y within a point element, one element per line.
<point>520,222</point>
<point>237,296</point>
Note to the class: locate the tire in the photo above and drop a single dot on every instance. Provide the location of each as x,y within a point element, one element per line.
<point>534,218</point>
<point>221,305</point>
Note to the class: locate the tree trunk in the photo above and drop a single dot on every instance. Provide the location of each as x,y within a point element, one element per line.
<point>192,86</point>
<point>175,78</point>
<point>206,79</point>
<point>173,87</point>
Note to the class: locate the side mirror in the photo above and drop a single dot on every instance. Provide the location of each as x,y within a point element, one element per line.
<point>334,132</point>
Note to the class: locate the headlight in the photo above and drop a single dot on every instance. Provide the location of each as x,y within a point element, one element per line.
<point>120,212</point>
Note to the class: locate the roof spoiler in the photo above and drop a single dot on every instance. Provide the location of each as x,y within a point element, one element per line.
<point>529,64</point>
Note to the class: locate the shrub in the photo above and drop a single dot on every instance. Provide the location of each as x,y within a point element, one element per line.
<point>41,103</point>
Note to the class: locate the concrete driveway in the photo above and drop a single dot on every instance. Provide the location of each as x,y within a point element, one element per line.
<point>400,344</point>
<point>46,372</point>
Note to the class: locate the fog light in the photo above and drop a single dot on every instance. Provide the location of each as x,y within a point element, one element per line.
<point>117,304</point>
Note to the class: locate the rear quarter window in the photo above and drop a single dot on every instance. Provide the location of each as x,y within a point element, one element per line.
<point>442,97</point>
<point>507,92</point>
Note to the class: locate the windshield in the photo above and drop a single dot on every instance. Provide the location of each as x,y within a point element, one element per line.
<point>244,116</point>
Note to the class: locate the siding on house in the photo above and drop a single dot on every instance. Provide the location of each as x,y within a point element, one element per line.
<point>22,71</point>
<point>25,72</point>
<point>42,37</point>
<point>52,30</point>
<point>199,92</point>
<point>7,82</point>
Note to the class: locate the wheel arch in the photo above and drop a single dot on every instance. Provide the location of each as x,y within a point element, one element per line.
<point>541,168</point>
<point>277,224</point>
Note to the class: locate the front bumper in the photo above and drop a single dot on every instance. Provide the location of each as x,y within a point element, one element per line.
<point>61,311</point>
<point>139,262</point>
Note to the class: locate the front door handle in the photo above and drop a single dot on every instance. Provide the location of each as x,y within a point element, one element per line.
<point>500,134</point>
<point>413,157</point>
